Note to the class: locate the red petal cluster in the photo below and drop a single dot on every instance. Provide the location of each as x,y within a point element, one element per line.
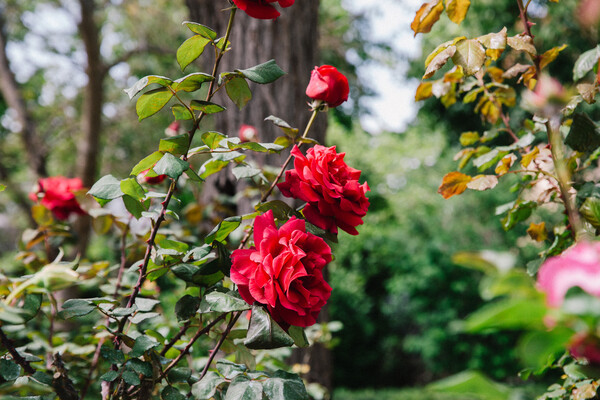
<point>329,85</point>
<point>330,187</point>
<point>56,194</point>
<point>262,9</point>
<point>283,271</point>
<point>151,180</point>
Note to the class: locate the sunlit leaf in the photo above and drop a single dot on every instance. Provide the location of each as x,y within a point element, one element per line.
<point>469,138</point>
<point>152,102</point>
<point>586,62</point>
<point>495,43</point>
<point>439,61</point>
<point>457,10</point>
<point>527,158</point>
<point>537,231</point>
<point>201,30</point>
<point>505,164</point>
<point>483,182</point>
<point>453,183</point>
<point>522,42</point>
<point>550,55</point>
<point>428,14</point>
<point>191,82</point>
<point>470,55</point>
<point>190,50</point>
<point>145,81</point>
<point>423,91</point>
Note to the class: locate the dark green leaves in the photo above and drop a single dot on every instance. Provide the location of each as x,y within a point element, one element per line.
<point>584,135</point>
<point>190,50</point>
<point>206,107</point>
<point>207,386</point>
<point>242,388</point>
<point>223,302</point>
<point>186,307</point>
<point>201,30</point>
<point>264,333</point>
<point>142,344</point>
<point>519,212</point>
<point>238,91</point>
<point>106,189</point>
<point>175,145</point>
<point>590,209</point>
<point>263,73</point>
<point>284,385</point>
<point>145,164</point>
<point>9,370</point>
<point>191,82</point>
<point>585,63</point>
<point>223,229</point>
<point>76,308</point>
<point>152,102</point>
<point>171,166</point>
<point>170,393</point>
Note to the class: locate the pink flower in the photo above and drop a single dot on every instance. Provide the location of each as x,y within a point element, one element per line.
<point>56,194</point>
<point>330,187</point>
<point>329,85</point>
<point>248,133</point>
<point>262,9</point>
<point>577,266</point>
<point>283,271</point>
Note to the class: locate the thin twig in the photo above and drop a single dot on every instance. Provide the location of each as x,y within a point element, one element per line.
<point>178,336</point>
<point>213,354</point>
<point>10,346</point>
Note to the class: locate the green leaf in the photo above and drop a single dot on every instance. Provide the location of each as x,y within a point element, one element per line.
<point>207,386</point>
<point>190,50</point>
<point>175,145</point>
<point>146,305</point>
<point>191,82</point>
<point>185,272</point>
<point>152,102</point>
<point>223,229</point>
<point>142,344</point>
<point>584,135</point>
<point>131,187</point>
<point>31,306</point>
<point>212,139</point>
<point>297,333</point>
<point>111,355</point>
<point>181,113</point>
<point>201,30</point>
<point>222,302</point>
<point>284,126</point>
<point>141,367</point>
<point>586,62</point>
<point>263,73</point>
<point>107,188</point>
<point>245,171</point>
<point>76,308</point>
<point>284,385</point>
<point>2,187</point>
<point>109,376</point>
<point>520,212</point>
<point>212,166</point>
<point>135,207</point>
<point>145,81</point>
<point>511,313</point>
<point>590,209</point>
<point>170,393</point>
<point>264,333</point>
<point>131,378</point>
<point>171,166</point>
<point>539,349</point>
<point>206,107</point>
<point>180,374</point>
<point>147,162</point>
<point>281,210</point>
<point>9,370</point>
<point>471,384</point>
<point>186,307</point>
<point>242,388</point>
<point>230,370</point>
<point>238,91</point>
<point>470,55</point>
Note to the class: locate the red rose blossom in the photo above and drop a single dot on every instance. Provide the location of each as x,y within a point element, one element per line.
<point>262,9</point>
<point>584,345</point>
<point>151,180</point>
<point>328,84</point>
<point>329,186</point>
<point>283,271</point>
<point>56,194</point>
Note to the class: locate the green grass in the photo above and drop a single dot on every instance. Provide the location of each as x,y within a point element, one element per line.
<point>394,394</point>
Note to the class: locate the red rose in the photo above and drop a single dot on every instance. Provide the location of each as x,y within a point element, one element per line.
<point>56,194</point>
<point>329,186</point>
<point>328,84</point>
<point>583,345</point>
<point>151,180</point>
<point>261,9</point>
<point>283,271</point>
<point>248,133</point>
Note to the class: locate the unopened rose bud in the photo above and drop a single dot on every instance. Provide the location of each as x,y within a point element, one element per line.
<point>248,133</point>
<point>329,85</point>
<point>173,129</point>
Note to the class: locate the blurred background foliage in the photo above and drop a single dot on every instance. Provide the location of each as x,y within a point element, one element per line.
<point>396,291</point>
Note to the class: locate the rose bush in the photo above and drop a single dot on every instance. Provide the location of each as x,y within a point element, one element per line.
<point>330,187</point>
<point>577,266</point>
<point>262,9</point>
<point>56,194</point>
<point>329,85</point>
<point>283,271</point>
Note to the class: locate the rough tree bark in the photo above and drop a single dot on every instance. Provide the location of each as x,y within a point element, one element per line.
<point>292,40</point>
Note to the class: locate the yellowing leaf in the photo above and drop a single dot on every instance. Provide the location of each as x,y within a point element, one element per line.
<point>527,158</point>
<point>428,14</point>
<point>441,48</point>
<point>423,91</point>
<point>470,55</point>
<point>505,163</point>
<point>588,91</point>
<point>469,138</point>
<point>457,10</point>
<point>550,55</point>
<point>495,43</point>
<point>483,182</point>
<point>453,183</point>
<point>522,42</point>
<point>538,231</point>
<point>516,70</point>
<point>454,75</point>
<point>439,61</point>
<point>450,97</point>
<point>472,95</point>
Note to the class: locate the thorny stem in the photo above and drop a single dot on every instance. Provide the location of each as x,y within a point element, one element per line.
<point>10,346</point>
<point>53,312</point>
<point>505,118</point>
<point>220,343</point>
<point>527,24</point>
<point>564,177</point>
<point>266,195</point>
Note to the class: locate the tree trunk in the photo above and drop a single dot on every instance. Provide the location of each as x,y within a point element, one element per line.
<point>292,40</point>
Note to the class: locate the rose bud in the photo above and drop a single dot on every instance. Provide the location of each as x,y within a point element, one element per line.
<point>56,194</point>
<point>153,179</point>
<point>329,85</point>
<point>173,129</point>
<point>261,9</point>
<point>248,133</point>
